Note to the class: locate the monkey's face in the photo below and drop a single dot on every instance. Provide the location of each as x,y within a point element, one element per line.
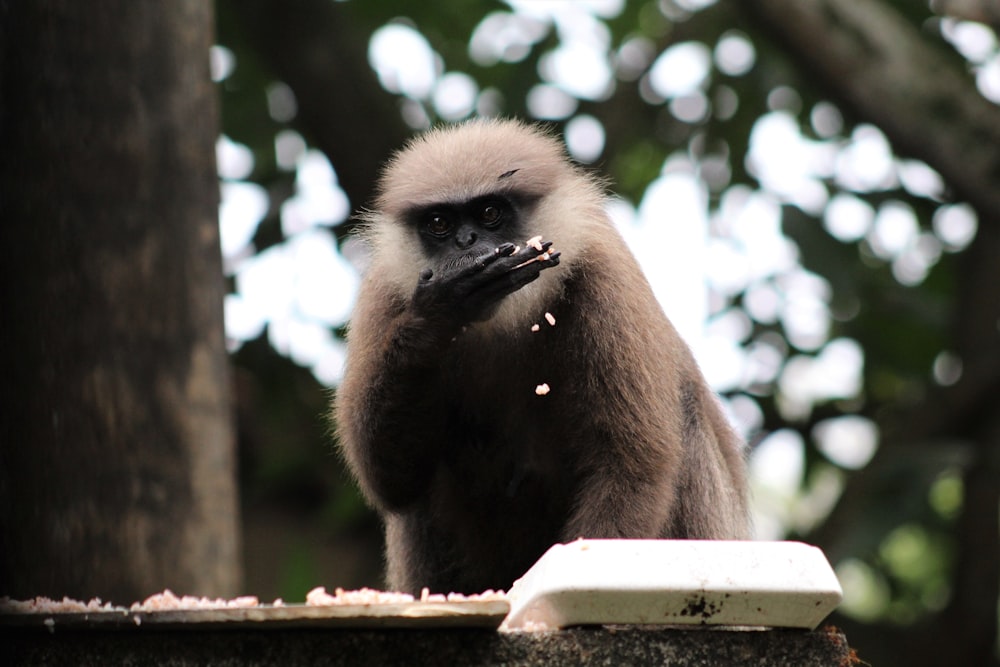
<point>474,261</point>
<point>456,234</point>
<point>459,203</point>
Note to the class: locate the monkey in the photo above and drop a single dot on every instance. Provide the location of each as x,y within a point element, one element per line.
<point>501,396</point>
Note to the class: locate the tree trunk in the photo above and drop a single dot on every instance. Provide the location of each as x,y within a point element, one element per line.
<point>116,447</point>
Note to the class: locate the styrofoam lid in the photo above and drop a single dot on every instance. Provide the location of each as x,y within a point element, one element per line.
<point>675,582</point>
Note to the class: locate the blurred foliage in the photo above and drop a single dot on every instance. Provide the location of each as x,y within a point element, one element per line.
<point>905,549</point>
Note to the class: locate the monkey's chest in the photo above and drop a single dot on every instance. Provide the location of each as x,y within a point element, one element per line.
<point>505,444</point>
<point>500,502</point>
<point>504,459</point>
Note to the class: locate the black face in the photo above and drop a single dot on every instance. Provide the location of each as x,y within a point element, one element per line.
<point>477,255</point>
<point>469,229</point>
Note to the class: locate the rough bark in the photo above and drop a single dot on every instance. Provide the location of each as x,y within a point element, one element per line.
<point>116,448</point>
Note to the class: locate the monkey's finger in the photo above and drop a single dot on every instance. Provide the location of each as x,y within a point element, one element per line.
<point>543,257</point>
<point>538,248</point>
<point>547,260</point>
<point>506,250</point>
<point>477,266</point>
<point>503,283</point>
<point>503,286</point>
<point>533,250</point>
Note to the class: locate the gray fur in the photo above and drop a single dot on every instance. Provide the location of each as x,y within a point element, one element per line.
<point>474,473</point>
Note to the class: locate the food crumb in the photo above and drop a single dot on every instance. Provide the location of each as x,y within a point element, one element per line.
<point>168,600</point>
<point>542,389</point>
<point>550,319</point>
<point>535,327</point>
<point>427,596</point>
<point>44,605</point>
<point>320,598</point>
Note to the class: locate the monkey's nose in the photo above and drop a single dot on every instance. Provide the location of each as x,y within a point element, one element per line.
<point>465,239</point>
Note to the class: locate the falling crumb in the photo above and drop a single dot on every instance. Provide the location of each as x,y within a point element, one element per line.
<point>551,320</point>
<point>535,242</point>
<point>542,389</point>
<point>535,327</point>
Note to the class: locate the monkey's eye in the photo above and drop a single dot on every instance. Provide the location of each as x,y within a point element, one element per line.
<point>437,224</point>
<point>491,215</point>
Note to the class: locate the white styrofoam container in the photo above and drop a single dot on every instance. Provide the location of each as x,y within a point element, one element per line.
<point>675,582</point>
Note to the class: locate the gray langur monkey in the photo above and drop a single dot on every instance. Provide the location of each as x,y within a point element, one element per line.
<point>483,439</point>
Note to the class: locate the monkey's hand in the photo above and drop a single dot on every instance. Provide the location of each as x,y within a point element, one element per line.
<point>472,292</point>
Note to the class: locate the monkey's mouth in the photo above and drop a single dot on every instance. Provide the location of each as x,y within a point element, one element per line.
<point>459,262</point>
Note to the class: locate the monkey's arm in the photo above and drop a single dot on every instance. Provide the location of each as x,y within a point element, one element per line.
<point>661,460</point>
<point>382,418</point>
<point>390,407</point>
<point>628,480</point>
<point>633,368</point>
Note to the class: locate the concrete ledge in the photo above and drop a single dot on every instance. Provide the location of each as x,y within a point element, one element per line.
<point>695,647</point>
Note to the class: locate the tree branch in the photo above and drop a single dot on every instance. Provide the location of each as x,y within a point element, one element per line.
<point>982,11</point>
<point>319,49</point>
<point>879,66</point>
